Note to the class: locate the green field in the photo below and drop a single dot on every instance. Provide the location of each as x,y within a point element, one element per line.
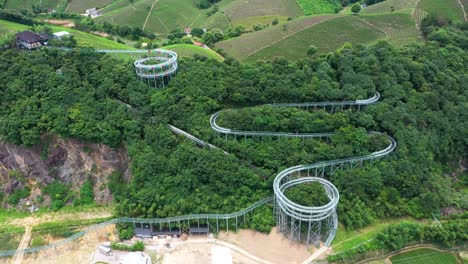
<point>187,50</point>
<point>424,256</point>
<point>446,8</point>
<point>80,6</point>
<point>27,4</point>
<point>319,6</point>
<point>326,36</point>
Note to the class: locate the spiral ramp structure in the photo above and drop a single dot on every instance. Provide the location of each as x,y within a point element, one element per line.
<point>309,224</point>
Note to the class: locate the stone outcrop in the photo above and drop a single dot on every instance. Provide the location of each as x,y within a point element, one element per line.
<point>67,160</point>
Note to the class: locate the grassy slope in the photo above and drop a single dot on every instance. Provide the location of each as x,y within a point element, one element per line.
<point>424,256</point>
<point>80,6</point>
<point>98,42</point>
<point>318,6</point>
<point>27,4</point>
<point>187,50</point>
<point>241,46</point>
<point>82,38</point>
<point>447,8</point>
<point>10,27</point>
<point>326,36</point>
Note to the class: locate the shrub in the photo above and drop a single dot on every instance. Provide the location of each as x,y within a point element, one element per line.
<point>356,8</point>
<point>125,231</point>
<point>38,241</point>
<point>59,194</point>
<point>17,195</point>
<point>138,246</point>
<point>312,50</point>
<point>197,32</point>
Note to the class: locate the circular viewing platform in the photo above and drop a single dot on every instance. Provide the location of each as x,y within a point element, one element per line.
<point>158,65</point>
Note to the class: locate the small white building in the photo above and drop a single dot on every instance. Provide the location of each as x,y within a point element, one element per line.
<point>93,12</point>
<point>61,34</point>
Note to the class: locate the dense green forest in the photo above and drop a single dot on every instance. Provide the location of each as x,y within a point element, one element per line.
<point>423,106</point>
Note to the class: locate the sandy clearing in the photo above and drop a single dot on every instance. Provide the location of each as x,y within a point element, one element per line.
<point>202,253</point>
<point>59,22</point>
<point>273,247</point>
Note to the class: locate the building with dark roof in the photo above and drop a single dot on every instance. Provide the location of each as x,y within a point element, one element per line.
<point>29,40</point>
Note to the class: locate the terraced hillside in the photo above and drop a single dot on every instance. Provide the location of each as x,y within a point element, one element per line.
<point>291,40</point>
<point>247,44</point>
<point>399,28</point>
<point>163,17</point>
<point>166,15</point>
<point>326,36</point>
<point>450,9</point>
<point>391,6</point>
<point>248,13</point>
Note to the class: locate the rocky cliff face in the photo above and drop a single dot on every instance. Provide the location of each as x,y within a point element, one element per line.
<point>66,160</point>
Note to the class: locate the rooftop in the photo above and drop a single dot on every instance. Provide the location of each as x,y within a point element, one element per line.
<point>29,36</point>
<point>61,34</point>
